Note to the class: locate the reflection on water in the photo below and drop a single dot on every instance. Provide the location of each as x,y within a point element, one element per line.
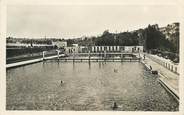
<point>87,86</point>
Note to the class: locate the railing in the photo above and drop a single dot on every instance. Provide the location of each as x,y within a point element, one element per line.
<point>174,67</point>
<point>97,56</point>
<point>102,54</point>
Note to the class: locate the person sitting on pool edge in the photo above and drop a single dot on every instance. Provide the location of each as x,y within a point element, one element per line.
<point>115,106</point>
<point>150,67</point>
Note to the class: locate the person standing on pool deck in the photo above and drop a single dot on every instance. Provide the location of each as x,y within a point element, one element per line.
<point>150,67</point>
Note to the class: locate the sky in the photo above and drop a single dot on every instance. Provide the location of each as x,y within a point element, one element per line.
<point>70,21</point>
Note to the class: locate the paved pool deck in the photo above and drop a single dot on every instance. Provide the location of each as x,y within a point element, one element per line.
<point>12,65</point>
<point>167,77</point>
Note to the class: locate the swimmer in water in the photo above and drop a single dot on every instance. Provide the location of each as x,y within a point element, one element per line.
<point>62,82</point>
<point>115,70</point>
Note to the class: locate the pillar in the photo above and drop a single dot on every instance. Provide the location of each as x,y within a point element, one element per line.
<point>43,53</point>
<point>58,53</point>
<point>89,56</point>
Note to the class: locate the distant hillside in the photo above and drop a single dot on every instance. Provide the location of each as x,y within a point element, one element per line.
<point>151,37</point>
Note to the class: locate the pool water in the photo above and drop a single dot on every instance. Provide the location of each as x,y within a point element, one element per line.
<point>95,87</point>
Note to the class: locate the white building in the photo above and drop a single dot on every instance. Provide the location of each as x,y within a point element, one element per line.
<point>18,44</point>
<point>133,48</point>
<point>72,49</point>
<point>93,49</point>
<point>75,45</point>
<point>116,48</point>
<point>60,44</point>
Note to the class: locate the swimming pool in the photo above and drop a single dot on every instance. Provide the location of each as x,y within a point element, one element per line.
<point>95,86</point>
